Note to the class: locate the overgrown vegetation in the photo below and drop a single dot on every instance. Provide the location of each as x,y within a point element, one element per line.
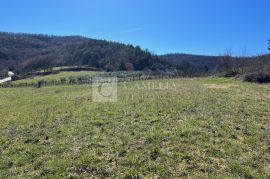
<point>86,77</point>
<point>255,69</point>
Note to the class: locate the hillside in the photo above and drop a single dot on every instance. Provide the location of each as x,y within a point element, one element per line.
<point>25,53</point>
<point>31,52</point>
<point>198,61</point>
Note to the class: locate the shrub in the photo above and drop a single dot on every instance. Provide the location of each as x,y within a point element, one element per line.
<point>231,73</point>
<point>256,77</point>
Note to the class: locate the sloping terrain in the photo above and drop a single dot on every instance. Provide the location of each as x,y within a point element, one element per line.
<point>198,61</point>
<point>27,52</point>
<point>173,128</point>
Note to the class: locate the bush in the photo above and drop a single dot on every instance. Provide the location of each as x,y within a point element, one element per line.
<point>256,77</point>
<point>231,74</point>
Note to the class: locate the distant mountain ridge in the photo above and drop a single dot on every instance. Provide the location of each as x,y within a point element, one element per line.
<point>198,61</point>
<point>24,53</point>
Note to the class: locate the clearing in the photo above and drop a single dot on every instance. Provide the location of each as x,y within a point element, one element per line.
<point>186,129</point>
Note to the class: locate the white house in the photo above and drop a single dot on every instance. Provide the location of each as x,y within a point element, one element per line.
<point>10,74</point>
<point>9,78</point>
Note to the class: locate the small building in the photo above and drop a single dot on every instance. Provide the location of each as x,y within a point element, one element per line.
<point>10,74</point>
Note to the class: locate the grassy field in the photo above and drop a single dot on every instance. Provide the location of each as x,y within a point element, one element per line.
<point>57,76</point>
<point>200,127</point>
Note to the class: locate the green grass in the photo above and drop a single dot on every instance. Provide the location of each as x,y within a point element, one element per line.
<point>200,127</point>
<point>59,68</point>
<point>57,76</point>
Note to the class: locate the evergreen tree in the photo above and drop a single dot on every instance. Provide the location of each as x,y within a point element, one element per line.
<point>122,66</point>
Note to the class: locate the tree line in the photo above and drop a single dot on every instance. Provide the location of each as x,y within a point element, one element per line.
<point>253,69</point>
<point>25,53</point>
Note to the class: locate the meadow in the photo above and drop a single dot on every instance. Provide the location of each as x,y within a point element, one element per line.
<point>182,127</point>
<point>57,77</point>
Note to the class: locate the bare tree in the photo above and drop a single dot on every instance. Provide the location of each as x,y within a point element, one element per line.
<point>261,64</point>
<point>225,63</point>
<point>269,44</point>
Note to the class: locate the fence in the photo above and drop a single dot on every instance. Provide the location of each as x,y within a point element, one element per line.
<point>80,80</point>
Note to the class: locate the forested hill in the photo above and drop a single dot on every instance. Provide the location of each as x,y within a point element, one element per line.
<point>197,61</point>
<point>29,52</point>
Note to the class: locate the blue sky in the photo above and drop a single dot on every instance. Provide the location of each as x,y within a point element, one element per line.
<point>162,26</point>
